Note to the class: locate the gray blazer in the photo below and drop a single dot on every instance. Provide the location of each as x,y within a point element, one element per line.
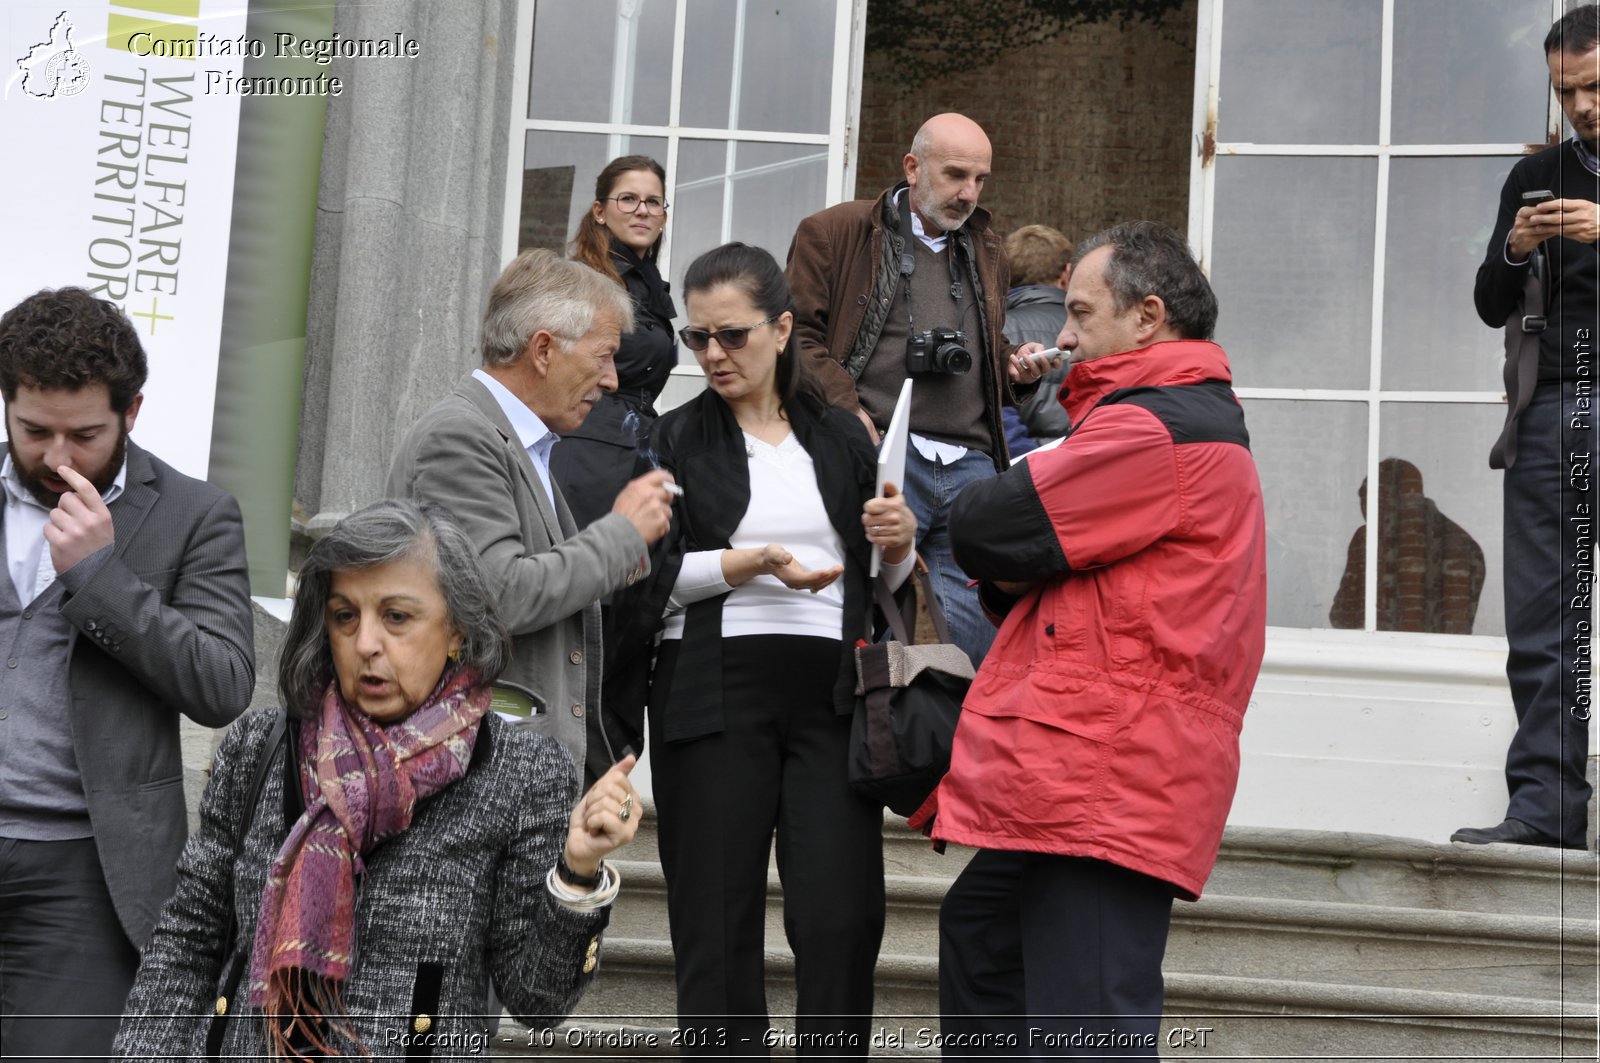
<point>549,578</point>
<point>163,627</point>
<point>454,900</point>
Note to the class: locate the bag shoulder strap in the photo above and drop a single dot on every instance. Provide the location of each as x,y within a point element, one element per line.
<point>1521,374</point>
<point>903,630</point>
<point>280,722</point>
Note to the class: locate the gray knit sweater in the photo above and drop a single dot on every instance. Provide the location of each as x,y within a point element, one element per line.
<point>457,898</point>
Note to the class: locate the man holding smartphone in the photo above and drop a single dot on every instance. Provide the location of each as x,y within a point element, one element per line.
<point>1549,221</point>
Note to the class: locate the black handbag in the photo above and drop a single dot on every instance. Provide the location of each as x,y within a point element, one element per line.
<point>908,699</point>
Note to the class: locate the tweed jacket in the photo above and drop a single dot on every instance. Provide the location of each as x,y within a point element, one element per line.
<point>453,901</point>
<point>843,273</point>
<point>163,627</point>
<point>548,577</point>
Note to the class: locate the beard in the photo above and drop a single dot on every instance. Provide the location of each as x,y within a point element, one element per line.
<point>947,216</point>
<point>32,477</point>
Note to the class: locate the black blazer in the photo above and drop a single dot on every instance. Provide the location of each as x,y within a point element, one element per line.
<point>701,444</point>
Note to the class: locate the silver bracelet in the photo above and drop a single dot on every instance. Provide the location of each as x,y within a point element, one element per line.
<point>567,897</point>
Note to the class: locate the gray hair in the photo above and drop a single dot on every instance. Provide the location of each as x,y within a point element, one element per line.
<point>541,290</point>
<point>382,532</point>
<point>1148,258</point>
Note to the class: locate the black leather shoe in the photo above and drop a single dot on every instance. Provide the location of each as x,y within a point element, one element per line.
<point>1509,831</point>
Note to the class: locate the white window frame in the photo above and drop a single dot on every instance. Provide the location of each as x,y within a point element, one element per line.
<point>838,143</point>
<point>1202,193</point>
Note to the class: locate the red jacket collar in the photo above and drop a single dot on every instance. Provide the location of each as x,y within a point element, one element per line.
<point>1168,362</point>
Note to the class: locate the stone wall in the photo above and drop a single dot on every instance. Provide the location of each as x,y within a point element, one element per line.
<point>1089,129</point>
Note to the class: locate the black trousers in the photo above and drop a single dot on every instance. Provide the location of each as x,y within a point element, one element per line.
<point>778,765</point>
<point>62,952</point>
<point>1051,957</point>
<point>1550,530</point>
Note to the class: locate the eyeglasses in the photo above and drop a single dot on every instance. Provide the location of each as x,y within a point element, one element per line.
<point>729,339</point>
<point>629,203</point>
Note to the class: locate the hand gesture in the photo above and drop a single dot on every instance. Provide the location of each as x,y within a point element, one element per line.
<point>778,561</point>
<point>605,819</point>
<point>80,524</point>
<point>890,524</point>
<point>647,503</point>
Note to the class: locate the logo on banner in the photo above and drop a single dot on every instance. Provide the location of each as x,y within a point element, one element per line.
<point>54,67</point>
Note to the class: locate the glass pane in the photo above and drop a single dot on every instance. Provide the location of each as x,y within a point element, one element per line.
<point>1441,214</point>
<point>1442,49</point>
<point>755,193</point>
<point>559,170</point>
<point>1295,292</point>
<point>1310,493</point>
<point>758,66</point>
<point>1300,71</point>
<point>602,60</point>
<point>1439,545</point>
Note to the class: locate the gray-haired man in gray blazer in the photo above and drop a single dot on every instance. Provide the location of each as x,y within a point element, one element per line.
<point>125,602</point>
<point>549,337</point>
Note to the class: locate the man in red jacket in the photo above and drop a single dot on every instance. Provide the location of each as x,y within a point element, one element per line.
<point>1098,751</point>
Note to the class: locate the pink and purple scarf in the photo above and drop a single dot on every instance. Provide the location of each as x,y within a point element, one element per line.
<point>361,783</point>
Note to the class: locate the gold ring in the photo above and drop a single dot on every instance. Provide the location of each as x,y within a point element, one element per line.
<point>625,812</point>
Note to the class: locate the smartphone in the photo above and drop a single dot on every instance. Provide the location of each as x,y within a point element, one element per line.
<point>1534,198</point>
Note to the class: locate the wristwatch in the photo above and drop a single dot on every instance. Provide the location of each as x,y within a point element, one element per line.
<point>572,878</point>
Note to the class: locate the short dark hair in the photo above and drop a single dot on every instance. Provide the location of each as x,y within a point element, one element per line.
<point>755,272</point>
<point>1578,31</point>
<point>382,532</point>
<point>1148,258</point>
<point>66,339</point>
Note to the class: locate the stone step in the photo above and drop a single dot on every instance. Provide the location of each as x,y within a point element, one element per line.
<point>1335,867</point>
<point>1537,957</point>
<point>1207,1017</point>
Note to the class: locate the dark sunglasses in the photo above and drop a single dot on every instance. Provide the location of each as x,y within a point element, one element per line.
<point>729,339</point>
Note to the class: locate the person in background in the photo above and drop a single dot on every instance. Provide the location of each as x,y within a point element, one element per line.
<point>621,238</point>
<point>1041,262</point>
<point>763,584</point>
<point>1549,204</point>
<point>880,287</point>
<point>406,845</point>
<point>125,603</point>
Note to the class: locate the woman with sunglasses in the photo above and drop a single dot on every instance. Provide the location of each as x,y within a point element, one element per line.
<point>621,236</point>
<point>763,586</point>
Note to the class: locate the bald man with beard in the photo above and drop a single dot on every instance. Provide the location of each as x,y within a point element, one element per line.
<point>879,287</point>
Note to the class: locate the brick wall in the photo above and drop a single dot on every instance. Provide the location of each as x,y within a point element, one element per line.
<point>1088,129</point>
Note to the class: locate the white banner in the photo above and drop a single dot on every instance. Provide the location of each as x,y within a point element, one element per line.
<point>120,129</point>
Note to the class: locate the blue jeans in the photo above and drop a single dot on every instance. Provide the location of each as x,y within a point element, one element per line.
<point>930,489</point>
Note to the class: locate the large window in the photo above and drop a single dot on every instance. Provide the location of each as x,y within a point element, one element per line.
<point>748,106</point>
<point>1350,159</point>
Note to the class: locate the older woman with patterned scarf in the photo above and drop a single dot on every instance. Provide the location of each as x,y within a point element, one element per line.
<point>365,869</point>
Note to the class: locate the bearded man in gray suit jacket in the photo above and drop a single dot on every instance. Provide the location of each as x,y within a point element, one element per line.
<point>125,601</point>
<point>550,334</point>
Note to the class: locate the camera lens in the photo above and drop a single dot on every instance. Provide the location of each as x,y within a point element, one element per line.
<point>952,358</point>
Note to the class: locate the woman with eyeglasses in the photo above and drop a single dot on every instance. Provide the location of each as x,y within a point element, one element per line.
<point>621,236</point>
<point>762,583</point>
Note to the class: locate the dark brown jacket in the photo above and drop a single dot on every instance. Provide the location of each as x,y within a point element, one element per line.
<point>844,267</point>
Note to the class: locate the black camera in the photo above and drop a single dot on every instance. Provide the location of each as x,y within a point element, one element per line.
<point>938,350</point>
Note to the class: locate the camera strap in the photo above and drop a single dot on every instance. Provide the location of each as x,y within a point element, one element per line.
<point>908,263</point>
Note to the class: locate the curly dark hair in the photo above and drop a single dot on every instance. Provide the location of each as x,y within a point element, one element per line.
<point>66,339</point>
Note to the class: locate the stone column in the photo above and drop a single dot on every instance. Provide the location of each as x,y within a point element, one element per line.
<point>408,235</point>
